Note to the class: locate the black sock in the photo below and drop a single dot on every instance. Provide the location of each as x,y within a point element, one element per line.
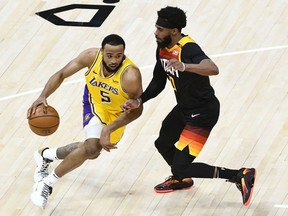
<point>225,173</point>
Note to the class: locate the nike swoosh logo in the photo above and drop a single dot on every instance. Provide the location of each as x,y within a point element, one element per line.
<point>194,115</point>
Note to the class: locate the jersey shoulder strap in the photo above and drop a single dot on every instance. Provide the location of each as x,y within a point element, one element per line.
<point>186,39</point>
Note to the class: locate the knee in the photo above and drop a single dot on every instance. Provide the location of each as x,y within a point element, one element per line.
<point>92,148</point>
<point>160,144</point>
<point>157,144</point>
<point>164,145</point>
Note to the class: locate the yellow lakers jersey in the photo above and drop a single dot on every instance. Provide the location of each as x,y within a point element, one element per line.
<point>105,94</point>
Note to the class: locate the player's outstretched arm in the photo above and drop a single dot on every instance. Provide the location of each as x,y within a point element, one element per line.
<point>84,59</point>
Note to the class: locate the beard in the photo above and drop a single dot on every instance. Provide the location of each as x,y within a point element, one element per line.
<point>108,69</point>
<point>166,41</point>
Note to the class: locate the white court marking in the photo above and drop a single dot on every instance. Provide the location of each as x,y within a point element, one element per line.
<point>281,206</point>
<point>149,66</point>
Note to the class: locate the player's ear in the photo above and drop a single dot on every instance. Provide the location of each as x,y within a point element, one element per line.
<point>175,31</point>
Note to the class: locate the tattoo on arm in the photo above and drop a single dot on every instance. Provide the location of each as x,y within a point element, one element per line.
<point>62,152</point>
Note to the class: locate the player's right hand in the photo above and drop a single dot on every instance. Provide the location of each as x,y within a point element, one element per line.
<point>33,107</point>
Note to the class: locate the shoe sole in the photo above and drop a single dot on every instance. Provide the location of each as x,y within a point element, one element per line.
<point>36,201</point>
<point>171,190</point>
<point>252,189</point>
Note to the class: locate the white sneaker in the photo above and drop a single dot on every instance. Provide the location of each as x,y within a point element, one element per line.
<point>42,169</point>
<point>40,194</point>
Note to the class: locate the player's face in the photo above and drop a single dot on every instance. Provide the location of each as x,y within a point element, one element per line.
<point>163,36</point>
<point>112,57</point>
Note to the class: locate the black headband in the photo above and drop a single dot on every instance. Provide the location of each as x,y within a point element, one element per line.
<point>165,23</point>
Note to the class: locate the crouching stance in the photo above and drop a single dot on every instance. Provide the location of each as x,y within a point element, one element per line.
<point>111,79</point>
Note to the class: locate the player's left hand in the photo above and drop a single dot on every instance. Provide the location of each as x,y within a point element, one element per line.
<point>129,105</point>
<point>174,63</point>
<point>105,140</point>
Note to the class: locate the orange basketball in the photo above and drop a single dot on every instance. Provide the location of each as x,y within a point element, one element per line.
<point>44,121</point>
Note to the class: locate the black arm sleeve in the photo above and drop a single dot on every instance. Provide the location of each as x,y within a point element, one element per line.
<point>192,53</point>
<point>157,83</point>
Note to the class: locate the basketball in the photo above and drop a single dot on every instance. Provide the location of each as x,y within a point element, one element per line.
<point>44,121</point>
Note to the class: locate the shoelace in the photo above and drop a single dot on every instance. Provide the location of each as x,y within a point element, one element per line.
<point>46,191</point>
<point>168,181</point>
<point>44,168</point>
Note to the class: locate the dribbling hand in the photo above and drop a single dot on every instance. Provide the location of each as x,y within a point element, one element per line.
<point>32,108</point>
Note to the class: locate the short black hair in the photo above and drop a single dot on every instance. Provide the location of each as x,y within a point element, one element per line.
<point>172,17</point>
<point>113,39</point>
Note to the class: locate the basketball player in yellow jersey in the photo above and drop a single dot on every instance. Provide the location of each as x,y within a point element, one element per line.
<point>111,79</point>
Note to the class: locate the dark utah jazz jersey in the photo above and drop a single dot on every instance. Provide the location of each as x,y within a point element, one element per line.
<point>192,90</point>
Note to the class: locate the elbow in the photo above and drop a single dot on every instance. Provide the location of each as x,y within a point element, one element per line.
<point>58,77</point>
<point>215,70</point>
<point>211,68</point>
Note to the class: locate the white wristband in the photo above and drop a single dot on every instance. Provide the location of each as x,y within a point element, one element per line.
<point>184,67</point>
<point>138,102</point>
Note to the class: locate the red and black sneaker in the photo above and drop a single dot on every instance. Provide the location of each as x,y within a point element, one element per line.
<point>171,184</point>
<point>245,183</point>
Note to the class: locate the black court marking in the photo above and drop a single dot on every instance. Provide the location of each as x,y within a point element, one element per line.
<point>111,1</point>
<point>97,20</point>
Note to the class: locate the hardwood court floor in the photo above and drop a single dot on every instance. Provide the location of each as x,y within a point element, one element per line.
<point>247,40</point>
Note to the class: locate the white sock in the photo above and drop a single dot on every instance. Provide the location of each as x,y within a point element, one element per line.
<point>51,179</point>
<point>50,154</point>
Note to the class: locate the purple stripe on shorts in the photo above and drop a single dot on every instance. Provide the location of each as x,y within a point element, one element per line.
<point>87,112</point>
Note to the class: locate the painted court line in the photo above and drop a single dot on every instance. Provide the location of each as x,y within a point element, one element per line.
<point>281,206</point>
<point>250,51</point>
<point>149,66</point>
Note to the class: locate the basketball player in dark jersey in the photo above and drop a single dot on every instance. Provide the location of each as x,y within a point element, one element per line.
<point>181,61</point>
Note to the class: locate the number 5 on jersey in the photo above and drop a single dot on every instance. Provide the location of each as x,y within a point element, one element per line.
<point>105,97</point>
